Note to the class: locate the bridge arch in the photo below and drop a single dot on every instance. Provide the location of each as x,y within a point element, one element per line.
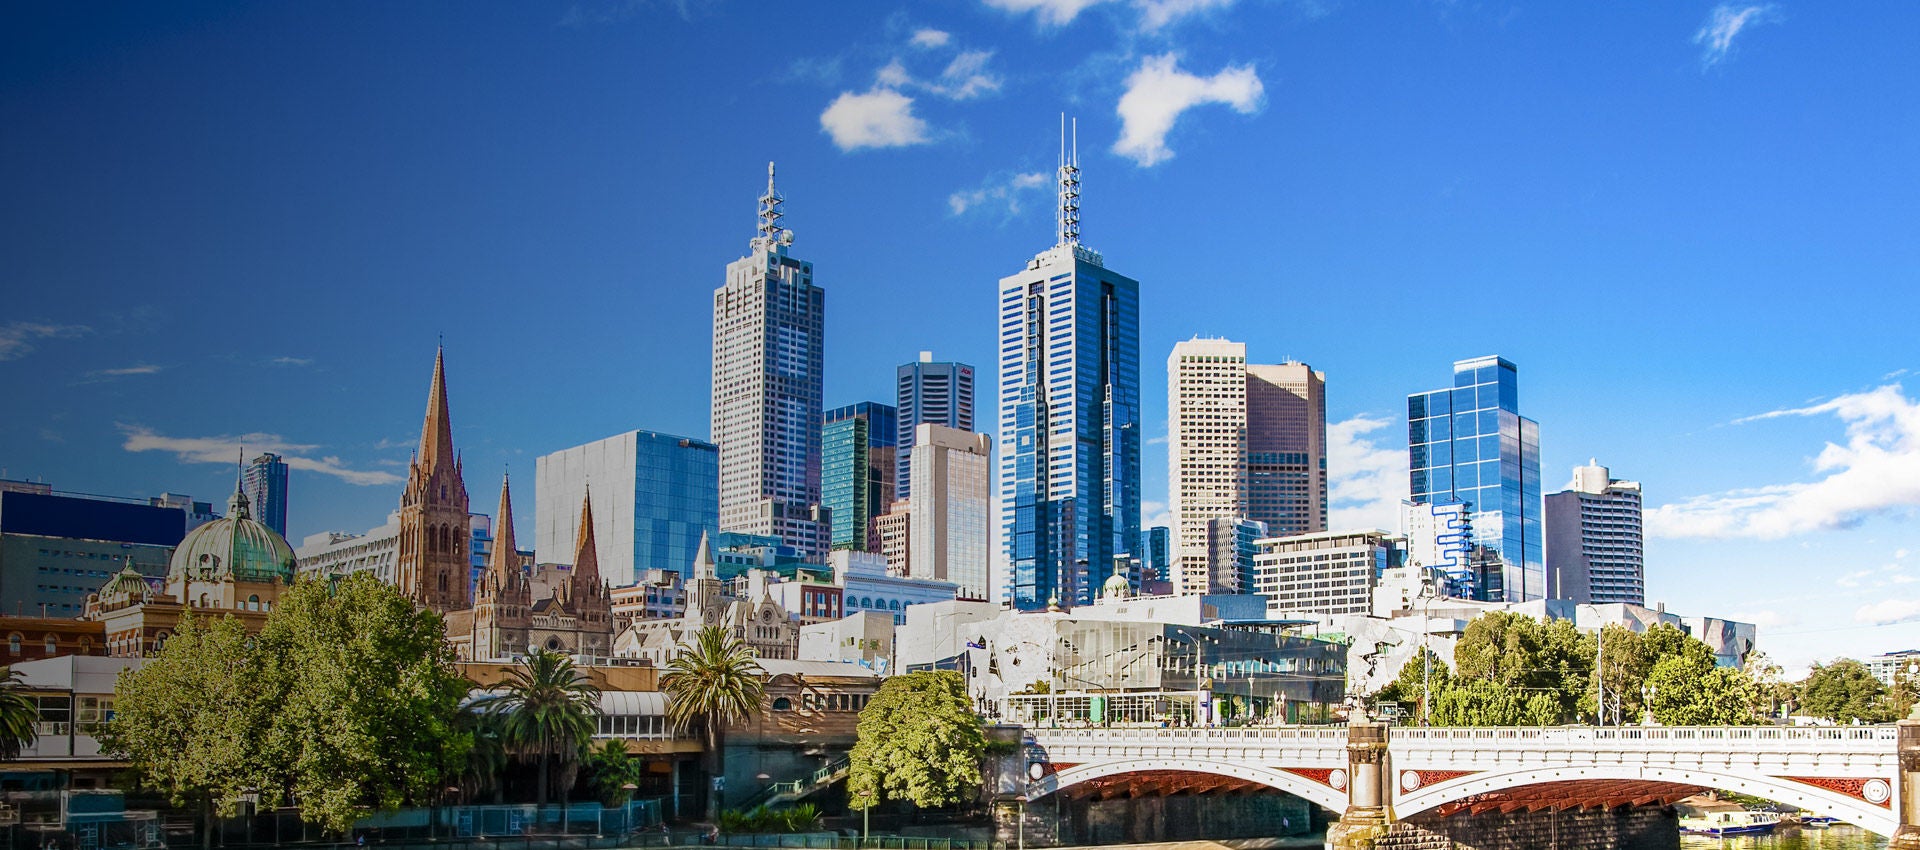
<point>1872,818</point>
<point>1298,786</point>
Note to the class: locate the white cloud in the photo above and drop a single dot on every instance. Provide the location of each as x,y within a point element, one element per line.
<point>1367,479</point>
<point>1876,472</point>
<point>1154,513</point>
<point>17,338</point>
<point>1888,612</point>
<point>964,78</point>
<point>1853,579</point>
<point>1767,619</point>
<point>1155,14</point>
<point>881,118</point>
<point>228,450</point>
<point>124,371</point>
<point>1726,21</point>
<point>1050,12</point>
<point>1158,92</point>
<point>930,38</point>
<point>1000,194</point>
<point>291,361</point>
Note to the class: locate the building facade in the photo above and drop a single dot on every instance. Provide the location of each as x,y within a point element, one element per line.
<point>431,566</point>
<point>265,478</point>
<point>1069,417</point>
<point>558,610</point>
<point>1287,447</point>
<point>1593,540</point>
<point>930,393</point>
<point>1469,445</point>
<point>55,548</point>
<point>893,534</point>
<point>857,470</point>
<point>1331,572</point>
<point>950,537</point>
<point>769,323</point>
<point>657,495</point>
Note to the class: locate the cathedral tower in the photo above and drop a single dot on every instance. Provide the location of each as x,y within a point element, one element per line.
<point>503,601</point>
<point>433,567</point>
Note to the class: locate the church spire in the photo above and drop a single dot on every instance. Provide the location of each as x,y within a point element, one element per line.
<point>436,435</point>
<point>586,556</point>
<point>503,562</point>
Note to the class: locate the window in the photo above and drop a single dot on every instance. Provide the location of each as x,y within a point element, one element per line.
<point>782,704</point>
<point>53,646</point>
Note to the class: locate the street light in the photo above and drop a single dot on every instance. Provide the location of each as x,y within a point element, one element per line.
<point>629,788</point>
<point>1426,655</point>
<point>866,813</point>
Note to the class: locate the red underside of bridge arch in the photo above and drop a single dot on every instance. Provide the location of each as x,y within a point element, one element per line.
<point>1574,794</point>
<point>1159,783</point>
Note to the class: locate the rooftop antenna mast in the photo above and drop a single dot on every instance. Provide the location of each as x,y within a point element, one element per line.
<point>771,203</point>
<point>1069,183</point>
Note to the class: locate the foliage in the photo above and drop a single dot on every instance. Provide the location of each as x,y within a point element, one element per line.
<point>919,741</point>
<point>1417,679</point>
<point>1772,691</point>
<point>1684,694</point>
<point>486,756</point>
<point>1520,654</point>
<point>712,681</point>
<point>1844,692</point>
<point>799,818</point>
<point>18,714</point>
<point>547,711</point>
<point>612,769</point>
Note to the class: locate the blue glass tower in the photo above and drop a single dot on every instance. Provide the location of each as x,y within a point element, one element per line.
<point>1069,417</point>
<point>655,496</point>
<point>1469,445</point>
<point>856,469</point>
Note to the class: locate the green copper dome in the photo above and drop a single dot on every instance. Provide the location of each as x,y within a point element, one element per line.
<point>235,545</point>
<point>1117,587</point>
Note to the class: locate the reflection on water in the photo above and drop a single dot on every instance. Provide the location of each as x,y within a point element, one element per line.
<point>1838,837</point>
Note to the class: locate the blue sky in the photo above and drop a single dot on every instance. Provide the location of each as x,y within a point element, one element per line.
<point>1690,224</point>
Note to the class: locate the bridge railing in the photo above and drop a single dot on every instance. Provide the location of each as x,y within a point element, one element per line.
<point>1315,735</point>
<point>1739,738</point>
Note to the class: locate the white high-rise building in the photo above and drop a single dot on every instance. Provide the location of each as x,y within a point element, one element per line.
<point>1245,441</point>
<point>949,508</point>
<point>769,324</point>
<point>1593,540</point>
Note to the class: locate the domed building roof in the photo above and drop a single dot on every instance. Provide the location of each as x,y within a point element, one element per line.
<point>126,585</point>
<point>1117,586</point>
<point>236,545</point>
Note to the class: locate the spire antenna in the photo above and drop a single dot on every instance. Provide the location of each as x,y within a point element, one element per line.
<point>1069,184</point>
<point>771,209</point>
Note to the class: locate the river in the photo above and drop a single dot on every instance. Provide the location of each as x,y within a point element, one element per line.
<point>1839,837</point>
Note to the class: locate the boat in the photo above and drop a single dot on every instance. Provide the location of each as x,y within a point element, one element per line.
<point>1817,822</point>
<point>1729,821</point>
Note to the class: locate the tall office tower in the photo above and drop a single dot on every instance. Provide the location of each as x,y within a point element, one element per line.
<point>935,392</point>
<point>1155,551</point>
<point>1470,445</point>
<point>1069,416</point>
<point>857,470</point>
<point>949,508</point>
<point>1230,553</point>
<point>659,494</point>
<point>265,481</point>
<point>1593,540</point>
<point>432,567</point>
<point>769,322</point>
<point>1245,441</point>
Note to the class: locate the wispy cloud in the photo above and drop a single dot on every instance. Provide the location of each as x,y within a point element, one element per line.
<point>1154,513</point>
<point>1001,194</point>
<point>1158,92</point>
<point>964,78</point>
<point>1156,14</point>
<point>1726,22</point>
<point>227,450</point>
<point>1877,471</point>
<point>1151,15</point>
<point>881,118</point>
<point>1888,612</point>
<point>17,338</point>
<point>124,371</point>
<point>1051,13</point>
<point>291,361</point>
<point>1367,473</point>
<point>930,38</point>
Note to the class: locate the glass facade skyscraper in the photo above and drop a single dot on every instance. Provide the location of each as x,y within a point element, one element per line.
<point>930,393</point>
<point>1069,418</point>
<point>654,496</point>
<point>265,480</point>
<point>857,469</point>
<point>1469,445</point>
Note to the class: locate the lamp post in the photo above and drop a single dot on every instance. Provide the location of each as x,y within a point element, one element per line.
<point>866,814</point>
<point>1426,655</point>
<point>629,788</point>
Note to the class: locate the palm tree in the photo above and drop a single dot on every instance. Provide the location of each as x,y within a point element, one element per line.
<point>547,712</point>
<point>487,758</point>
<point>615,772</point>
<point>18,714</point>
<point>713,681</point>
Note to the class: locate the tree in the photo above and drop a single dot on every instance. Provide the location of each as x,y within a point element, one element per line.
<point>547,713</point>
<point>1771,689</point>
<point>1685,694</point>
<point>919,741</point>
<point>191,722</point>
<point>612,769</point>
<point>1844,692</point>
<point>1423,676</point>
<point>18,716</point>
<point>713,681</point>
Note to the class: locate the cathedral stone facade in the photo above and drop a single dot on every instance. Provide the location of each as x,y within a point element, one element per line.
<point>433,565</point>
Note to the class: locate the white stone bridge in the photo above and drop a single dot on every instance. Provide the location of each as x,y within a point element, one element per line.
<point>1853,773</point>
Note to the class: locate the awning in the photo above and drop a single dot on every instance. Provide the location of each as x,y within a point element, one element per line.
<point>633,704</point>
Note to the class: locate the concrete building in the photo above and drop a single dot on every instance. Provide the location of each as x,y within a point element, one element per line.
<point>930,393</point>
<point>56,548</point>
<point>857,470</point>
<point>1593,540</point>
<point>655,496</point>
<point>866,586</point>
<point>1244,441</point>
<point>1893,667</point>
<point>1468,444</point>
<point>265,478</point>
<point>893,532</point>
<point>950,537</point>
<point>769,323</point>
<point>1332,572</point>
<point>864,638</point>
<point>1069,417</point>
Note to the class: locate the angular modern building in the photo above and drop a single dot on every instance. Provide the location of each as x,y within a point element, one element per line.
<point>857,470</point>
<point>949,534</point>
<point>1593,540</point>
<point>265,480</point>
<point>769,324</point>
<point>655,494</point>
<point>1468,444</point>
<point>930,393</point>
<point>1069,417</point>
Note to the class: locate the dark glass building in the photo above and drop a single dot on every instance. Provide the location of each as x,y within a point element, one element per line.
<point>857,469</point>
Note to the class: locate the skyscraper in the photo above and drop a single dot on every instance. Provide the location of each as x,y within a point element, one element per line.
<point>1593,540</point>
<point>949,508</point>
<point>265,482</point>
<point>1155,552</point>
<point>658,496</point>
<point>432,568</point>
<point>857,470</point>
<point>931,392</point>
<point>1244,441</point>
<point>769,323</point>
<point>1069,416</point>
<point>1470,445</point>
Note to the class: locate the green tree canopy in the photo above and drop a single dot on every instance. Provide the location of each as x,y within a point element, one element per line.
<point>1686,694</point>
<point>18,714</point>
<point>1844,692</point>
<point>547,711</point>
<point>919,741</point>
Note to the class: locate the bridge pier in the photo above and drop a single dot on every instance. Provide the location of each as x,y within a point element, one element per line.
<point>1369,814</point>
<point>1907,837</point>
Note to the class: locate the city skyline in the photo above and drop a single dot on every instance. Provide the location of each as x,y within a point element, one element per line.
<point>1739,185</point>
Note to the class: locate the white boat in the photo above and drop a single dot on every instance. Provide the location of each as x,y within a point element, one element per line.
<point>1729,821</point>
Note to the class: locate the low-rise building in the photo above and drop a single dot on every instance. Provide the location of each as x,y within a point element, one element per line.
<point>1331,572</point>
<point>864,638</point>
